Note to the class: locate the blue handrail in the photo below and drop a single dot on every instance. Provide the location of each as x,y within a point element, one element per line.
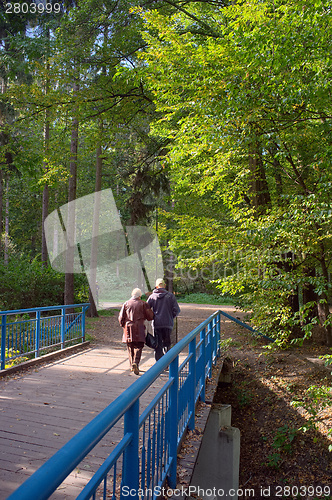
<point>147,454</point>
<point>45,308</point>
<point>248,327</point>
<point>28,336</point>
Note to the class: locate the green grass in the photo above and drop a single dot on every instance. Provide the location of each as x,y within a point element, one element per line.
<point>107,312</point>
<point>205,298</point>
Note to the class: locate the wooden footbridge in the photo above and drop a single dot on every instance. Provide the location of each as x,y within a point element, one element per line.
<point>44,407</point>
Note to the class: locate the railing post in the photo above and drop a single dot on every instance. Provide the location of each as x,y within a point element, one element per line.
<point>203,376</point>
<point>83,323</point>
<point>214,339</point>
<point>218,333</point>
<point>173,416</point>
<point>63,326</point>
<point>3,341</point>
<point>192,383</point>
<point>216,336</point>
<point>209,349</point>
<point>130,471</point>
<point>37,334</point>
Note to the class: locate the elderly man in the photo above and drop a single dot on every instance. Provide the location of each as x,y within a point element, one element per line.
<point>165,309</point>
<point>131,317</point>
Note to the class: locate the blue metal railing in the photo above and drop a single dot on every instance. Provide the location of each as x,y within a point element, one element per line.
<point>248,327</point>
<point>23,335</point>
<point>146,456</point>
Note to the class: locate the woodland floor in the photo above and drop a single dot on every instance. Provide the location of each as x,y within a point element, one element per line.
<point>277,459</point>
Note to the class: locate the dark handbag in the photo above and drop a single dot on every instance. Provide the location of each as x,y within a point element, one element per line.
<point>150,340</point>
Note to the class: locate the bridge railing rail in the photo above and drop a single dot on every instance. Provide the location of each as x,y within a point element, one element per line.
<point>146,456</point>
<point>26,332</point>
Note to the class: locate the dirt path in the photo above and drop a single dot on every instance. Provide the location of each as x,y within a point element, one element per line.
<point>107,330</point>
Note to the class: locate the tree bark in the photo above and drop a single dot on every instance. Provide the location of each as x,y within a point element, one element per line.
<point>273,149</point>
<point>92,311</point>
<point>1,211</point>
<point>69,276</point>
<point>260,194</point>
<point>323,305</point>
<point>45,194</point>
<point>309,294</point>
<point>6,236</point>
<point>45,201</point>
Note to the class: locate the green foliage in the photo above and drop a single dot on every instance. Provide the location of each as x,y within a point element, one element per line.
<point>327,359</point>
<point>204,298</point>
<point>244,395</point>
<point>26,284</point>
<point>283,438</point>
<point>81,290</point>
<point>330,445</point>
<point>225,344</point>
<point>315,400</point>
<point>282,443</point>
<point>274,460</point>
<point>246,113</point>
<point>240,99</point>
<point>16,361</point>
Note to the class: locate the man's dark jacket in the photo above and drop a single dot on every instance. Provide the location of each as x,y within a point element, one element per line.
<point>165,308</point>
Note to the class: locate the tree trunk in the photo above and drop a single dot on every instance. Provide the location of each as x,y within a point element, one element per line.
<point>169,275</point>
<point>1,211</point>
<point>309,294</point>
<point>323,314</point>
<point>285,263</point>
<point>6,238</point>
<point>3,178</point>
<point>92,311</point>
<point>323,307</point>
<point>46,190</point>
<point>260,194</point>
<point>69,276</point>
<point>259,189</point>
<point>44,215</point>
<point>273,149</point>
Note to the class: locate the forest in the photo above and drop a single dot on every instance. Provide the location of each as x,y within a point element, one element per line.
<point>210,120</point>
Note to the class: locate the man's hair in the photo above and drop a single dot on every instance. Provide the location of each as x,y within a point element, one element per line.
<point>136,293</point>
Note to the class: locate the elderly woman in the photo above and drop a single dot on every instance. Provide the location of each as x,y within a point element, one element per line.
<point>131,317</point>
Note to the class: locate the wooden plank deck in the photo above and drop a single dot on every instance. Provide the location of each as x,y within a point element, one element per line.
<point>43,408</point>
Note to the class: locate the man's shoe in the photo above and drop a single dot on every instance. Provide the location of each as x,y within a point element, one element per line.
<point>135,369</point>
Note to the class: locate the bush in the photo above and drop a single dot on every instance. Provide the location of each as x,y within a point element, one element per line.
<point>25,284</point>
<point>205,298</point>
<point>81,292</point>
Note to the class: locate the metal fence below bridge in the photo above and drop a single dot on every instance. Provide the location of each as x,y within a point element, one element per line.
<point>146,457</point>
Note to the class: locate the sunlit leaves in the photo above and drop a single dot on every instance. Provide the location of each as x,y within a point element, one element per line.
<point>250,100</point>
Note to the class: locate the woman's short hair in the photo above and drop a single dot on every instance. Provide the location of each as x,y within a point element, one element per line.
<point>136,293</point>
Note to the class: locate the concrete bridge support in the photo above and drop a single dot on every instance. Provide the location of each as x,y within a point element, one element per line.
<point>216,472</point>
